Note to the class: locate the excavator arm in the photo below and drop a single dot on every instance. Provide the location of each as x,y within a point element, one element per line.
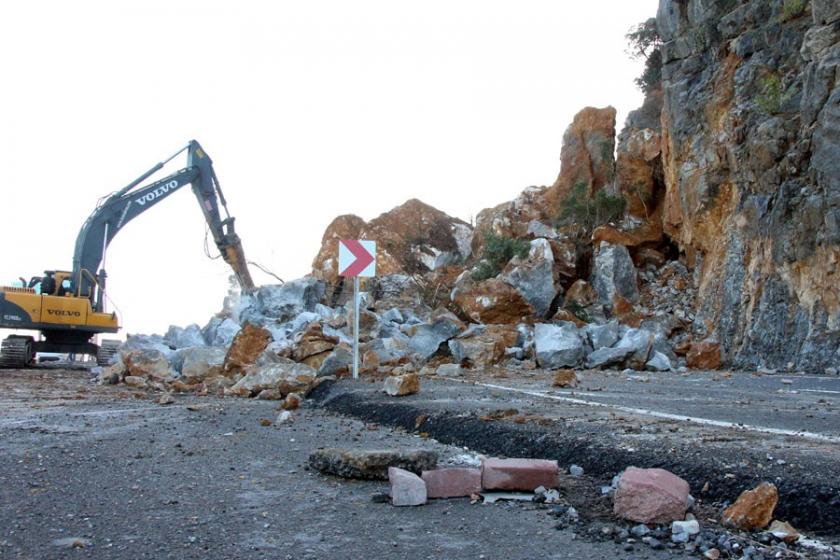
<point>115,211</point>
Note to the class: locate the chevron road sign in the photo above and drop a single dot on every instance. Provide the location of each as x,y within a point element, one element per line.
<point>356,258</point>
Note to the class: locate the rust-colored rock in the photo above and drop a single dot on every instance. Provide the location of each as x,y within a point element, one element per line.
<point>246,347</point>
<point>483,347</point>
<point>581,294</point>
<point>587,155</point>
<point>650,232</point>
<point>402,385</point>
<point>292,402</point>
<point>753,509</point>
<point>565,378</point>
<point>703,355</point>
<point>566,315</point>
<point>314,346</point>
<point>325,265</point>
<point>411,238</point>
<point>490,301</point>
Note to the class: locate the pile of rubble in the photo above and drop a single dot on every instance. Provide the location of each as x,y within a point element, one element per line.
<point>283,338</point>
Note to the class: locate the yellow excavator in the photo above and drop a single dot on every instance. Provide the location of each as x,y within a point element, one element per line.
<point>68,307</point>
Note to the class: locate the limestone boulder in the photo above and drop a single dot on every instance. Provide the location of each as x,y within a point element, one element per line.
<point>558,346</point>
<point>339,361</point>
<point>248,344</point>
<point>284,302</point>
<point>425,339</point>
<point>220,331</point>
<point>148,363</point>
<point>189,337</point>
<point>284,377</point>
<point>490,301</point>
<point>534,276</point>
<point>483,345</point>
<point>146,342</point>
<point>613,273</point>
<point>313,346</point>
<point>384,351</point>
<point>201,362</point>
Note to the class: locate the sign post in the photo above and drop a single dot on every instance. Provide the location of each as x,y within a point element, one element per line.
<point>356,259</point>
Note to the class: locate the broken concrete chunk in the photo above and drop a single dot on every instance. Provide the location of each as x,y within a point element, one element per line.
<point>518,474</point>
<point>651,496</point>
<point>371,464</point>
<point>407,489</point>
<point>753,509</point>
<point>402,385</point>
<point>452,483</point>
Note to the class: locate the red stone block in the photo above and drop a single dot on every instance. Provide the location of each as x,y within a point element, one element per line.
<point>407,489</point>
<point>452,483</point>
<point>518,474</point>
<point>651,496</point>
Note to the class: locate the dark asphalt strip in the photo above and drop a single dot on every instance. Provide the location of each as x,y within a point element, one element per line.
<point>809,500</point>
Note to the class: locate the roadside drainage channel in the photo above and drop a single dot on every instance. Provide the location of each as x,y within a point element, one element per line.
<point>810,501</point>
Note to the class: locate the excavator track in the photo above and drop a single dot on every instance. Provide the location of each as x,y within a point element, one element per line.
<point>16,352</point>
<point>107,350</point>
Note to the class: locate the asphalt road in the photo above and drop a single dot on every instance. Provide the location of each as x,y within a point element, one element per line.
<point>722,432</point>
<point>109,469</point>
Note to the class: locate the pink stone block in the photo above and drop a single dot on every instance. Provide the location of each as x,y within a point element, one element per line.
<point>452,483</point>
<point>407,489</point>
<point>651,496</point>
<point>518,474</point>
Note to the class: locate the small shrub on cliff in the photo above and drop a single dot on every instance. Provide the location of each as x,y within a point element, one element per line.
<point>498,250</point>
<point>772,95</point>
<point>589,212</point>
<point>644,42</point>
<point>792,9</point>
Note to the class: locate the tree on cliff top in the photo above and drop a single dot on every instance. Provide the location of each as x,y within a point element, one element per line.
<point>644,42</point>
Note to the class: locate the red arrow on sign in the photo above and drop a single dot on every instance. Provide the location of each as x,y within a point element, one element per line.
<point>363,258</point>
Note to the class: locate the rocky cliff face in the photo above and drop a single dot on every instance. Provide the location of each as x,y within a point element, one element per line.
<point>751,161</point>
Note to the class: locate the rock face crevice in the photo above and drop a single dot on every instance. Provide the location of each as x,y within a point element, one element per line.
<point>750,139</point>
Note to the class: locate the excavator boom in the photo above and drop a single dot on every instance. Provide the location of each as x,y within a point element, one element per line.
<point>69,309</point>
<point>115,211</point>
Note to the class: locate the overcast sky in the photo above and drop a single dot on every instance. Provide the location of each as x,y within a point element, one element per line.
<point>308,109</point>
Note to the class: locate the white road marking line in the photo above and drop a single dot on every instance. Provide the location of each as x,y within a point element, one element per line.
<point>664,415</point>
<point>820,391</point>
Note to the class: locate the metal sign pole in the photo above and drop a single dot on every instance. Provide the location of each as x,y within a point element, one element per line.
<point>356,327</point>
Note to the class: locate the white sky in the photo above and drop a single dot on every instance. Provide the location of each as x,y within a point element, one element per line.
<point>308,109</point>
